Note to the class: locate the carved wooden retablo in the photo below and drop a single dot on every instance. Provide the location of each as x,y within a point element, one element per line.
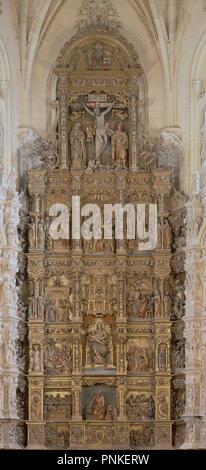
<point>100,311</point>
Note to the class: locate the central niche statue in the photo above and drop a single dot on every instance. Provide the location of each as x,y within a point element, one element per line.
<point>99,345</point>
<point>78,148</point>
<point>102,131</point>
<point>96,409</point>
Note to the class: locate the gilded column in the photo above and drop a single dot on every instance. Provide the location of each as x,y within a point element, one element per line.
<point>122,416</point>
<point>121,338</point>
<point>77,342</point>
<point>36,371</point>
<point>36,308</point>
<point>162,270</point>
<point>76,230</point>
<point>76,408</point>
<point>133,122</point>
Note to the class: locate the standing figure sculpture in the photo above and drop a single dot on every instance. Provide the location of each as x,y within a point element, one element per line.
<point>120,146</point>
<point>35,358</point>
<point>32,235</point>
<point>99,342</point>
<point>167,235</point>
<point>41,235</point>
<point>78,148</point>
<point>101,132</point>
<point>162,357</point>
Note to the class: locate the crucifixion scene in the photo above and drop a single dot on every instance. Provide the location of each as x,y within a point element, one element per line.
<point>100,138</point>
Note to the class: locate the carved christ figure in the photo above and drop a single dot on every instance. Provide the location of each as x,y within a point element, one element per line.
<point>101,132</point>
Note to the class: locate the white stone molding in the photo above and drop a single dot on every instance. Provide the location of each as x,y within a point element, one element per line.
<point>9,249</point>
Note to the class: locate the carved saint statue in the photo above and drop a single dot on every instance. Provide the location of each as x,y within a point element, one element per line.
<point>32,235</point>
<point>40,306</point>
<point>167,235</point>
<point>179,304</point>
<point>78,148</point>
<point>162,357</point>
<point>41,235</point>
<point>99,343</point>
<point>158,305</point>
<point>120,145</point>
<point>35,410</point>
<point>162,406</point>
<point>8,293</point>
<point>101,134</point>
<point>11,234</point>
<point>167,305</point>
<point>35,358</point>
<point>159,236</point>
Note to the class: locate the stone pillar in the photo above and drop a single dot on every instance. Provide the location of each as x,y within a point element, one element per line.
<point>121,289</point>
<point>63,119</point>
<point>122,400</point>
<point>77,351</point>
<point>77,297</point>
<point>195,325</point>
<point>121,186</point>
<point>121,350</point>
<point>76,210</point>
<point>76,408</point>
<point>9,219</point>
<point>195,123</point>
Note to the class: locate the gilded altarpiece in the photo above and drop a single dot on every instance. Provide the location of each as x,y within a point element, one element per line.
<point>99,310</point>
